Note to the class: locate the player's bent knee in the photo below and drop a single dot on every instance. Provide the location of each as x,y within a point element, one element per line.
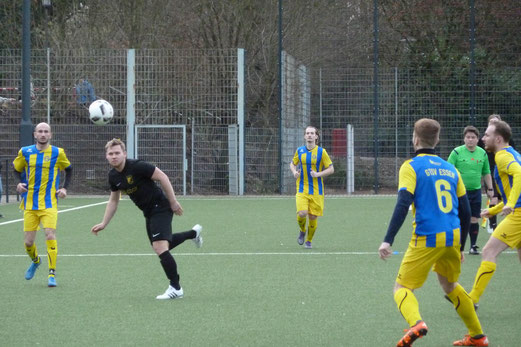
<point>302,214</point>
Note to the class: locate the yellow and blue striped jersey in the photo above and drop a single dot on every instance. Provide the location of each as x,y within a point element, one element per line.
<point>508,167</point>
<point>317,160</point>
<point>40,170</point>
<point>436,186</point>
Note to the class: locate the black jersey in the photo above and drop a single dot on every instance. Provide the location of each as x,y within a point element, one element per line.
<point>135,180</point>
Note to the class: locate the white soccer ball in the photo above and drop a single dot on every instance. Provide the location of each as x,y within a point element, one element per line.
<point>101,112</point>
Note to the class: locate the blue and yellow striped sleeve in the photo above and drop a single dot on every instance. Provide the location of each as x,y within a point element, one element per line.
<point>296,159</point>
<point>19,162</point>
<point>62,161</point>
<point>507,162</point>
<point>326,160</point>
<point>407,178</point>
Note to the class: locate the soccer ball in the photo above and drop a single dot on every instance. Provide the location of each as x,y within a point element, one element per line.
<point>100,112</point>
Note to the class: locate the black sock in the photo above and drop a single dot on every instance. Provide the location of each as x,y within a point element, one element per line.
<point>473,233</point>
<point>179,238</point>
<point>170,267</point>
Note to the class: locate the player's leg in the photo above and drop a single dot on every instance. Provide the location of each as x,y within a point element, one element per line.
<point>159,231</point>
<point>413,272</point>
<point>448,269</point>
<point>487,268</point>
<point>31,224</point>
<point>410,310</point>
<point>316,209</point>
<point>302,202</point>
<point>312,227</point>
<point>49,220</point>
<point>193,234</point>
<point>475,209</point>
<point>52,255</point>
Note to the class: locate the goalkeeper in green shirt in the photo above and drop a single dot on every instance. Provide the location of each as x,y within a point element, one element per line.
<point>472,163</point>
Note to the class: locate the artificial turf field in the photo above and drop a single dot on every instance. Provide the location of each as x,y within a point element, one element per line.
<point>250,284</point>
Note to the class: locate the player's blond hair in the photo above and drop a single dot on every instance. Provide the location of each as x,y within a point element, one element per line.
<point>115,142</point>
<point>428,132</point>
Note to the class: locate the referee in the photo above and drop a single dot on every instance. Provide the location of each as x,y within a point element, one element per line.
<point>138,179</point>
<point>472,163</point>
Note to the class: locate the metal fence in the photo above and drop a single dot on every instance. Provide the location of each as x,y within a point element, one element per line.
<point>198,90</point>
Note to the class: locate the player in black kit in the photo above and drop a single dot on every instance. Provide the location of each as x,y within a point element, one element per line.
<point>137,179</point>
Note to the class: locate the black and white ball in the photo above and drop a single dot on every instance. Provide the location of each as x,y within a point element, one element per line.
<point>101,112</point>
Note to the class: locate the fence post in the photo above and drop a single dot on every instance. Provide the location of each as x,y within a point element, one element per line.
<point>240,116</point>
<point>131,102</point>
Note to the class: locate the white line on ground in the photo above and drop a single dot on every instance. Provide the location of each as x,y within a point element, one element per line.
<point>62,211</point>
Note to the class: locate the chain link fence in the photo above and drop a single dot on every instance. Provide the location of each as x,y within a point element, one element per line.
<point>199,91</point>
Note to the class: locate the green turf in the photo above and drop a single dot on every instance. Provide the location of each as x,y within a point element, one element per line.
<point>250,284</point>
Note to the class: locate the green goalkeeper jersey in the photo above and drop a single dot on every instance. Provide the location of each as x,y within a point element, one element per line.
<point>471,165</point>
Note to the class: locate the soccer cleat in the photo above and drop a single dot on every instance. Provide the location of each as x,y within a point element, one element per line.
<point>417,331</point>
<point>308,244</point>
<point>198,240</point>
<point>474,250</point>
<point>171,293</point>
<point>32,269</point>
<point>300,239</point>
<point>51,282</point>
<point>472,341</point>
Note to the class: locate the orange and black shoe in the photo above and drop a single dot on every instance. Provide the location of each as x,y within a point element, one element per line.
<point>417,331</point>
<point>479,340</point>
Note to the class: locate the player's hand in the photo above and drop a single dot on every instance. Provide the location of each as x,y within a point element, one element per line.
<point>506,211</point>
<point>21,187</point>
<point>97,228</point>
<point>462,256</point>
<point>485,213</point>
<point>296,174</point>
<point>61,193</point>
<point>314,174</point>
<point>177,208</point>
<point>385,250</point>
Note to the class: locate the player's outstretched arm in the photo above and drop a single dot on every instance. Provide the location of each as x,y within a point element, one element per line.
<point>110,210</point>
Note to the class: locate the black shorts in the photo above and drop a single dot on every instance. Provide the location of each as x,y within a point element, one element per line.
<point>159,224</point>
<point>475,202</point>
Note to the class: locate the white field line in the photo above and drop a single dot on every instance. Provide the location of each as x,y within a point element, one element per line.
<point>62,211</point>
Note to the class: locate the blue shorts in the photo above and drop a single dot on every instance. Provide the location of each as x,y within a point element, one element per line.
<point>475,202</point>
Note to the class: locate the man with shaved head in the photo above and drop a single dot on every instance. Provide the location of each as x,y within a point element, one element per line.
<point>38,169</point>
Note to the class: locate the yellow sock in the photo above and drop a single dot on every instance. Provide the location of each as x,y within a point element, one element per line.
<point>483,276</point>
<point>465,309</point>
<point>32,252</point>
<point>408,305</point>
<point>312,227</point>
<point>301,223</point>
<point>52,254</point>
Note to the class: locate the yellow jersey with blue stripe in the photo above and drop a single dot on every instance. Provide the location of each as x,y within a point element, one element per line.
<point>40,170</point>
<point>507,175</point>
<point>436,186</point>
<point>317,160</point>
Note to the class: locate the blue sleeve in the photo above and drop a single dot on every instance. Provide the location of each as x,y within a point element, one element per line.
<point>405,199</point>
<point>464,218</point>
